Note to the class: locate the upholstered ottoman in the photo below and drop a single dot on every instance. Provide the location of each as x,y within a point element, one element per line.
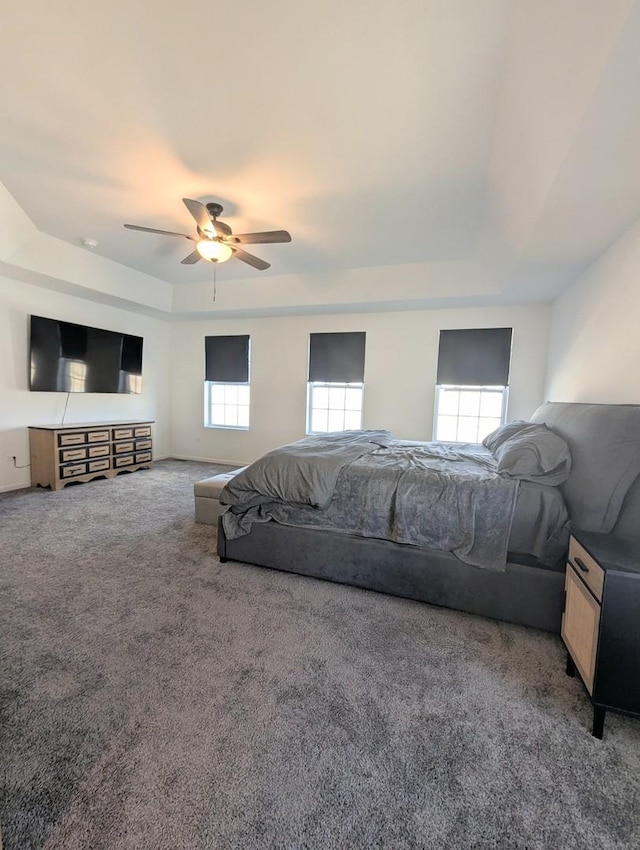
<point>207,496</point>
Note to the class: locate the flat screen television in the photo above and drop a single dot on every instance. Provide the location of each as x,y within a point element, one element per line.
<point>69,358</point>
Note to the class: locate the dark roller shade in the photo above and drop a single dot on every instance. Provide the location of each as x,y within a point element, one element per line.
<point>227,359</point>
<point>476,357</point>
<point>337,357</point>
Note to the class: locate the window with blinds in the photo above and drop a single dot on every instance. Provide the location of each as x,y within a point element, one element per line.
<point>335,386</point>
<point>227,388</point>
<point>472,383</point>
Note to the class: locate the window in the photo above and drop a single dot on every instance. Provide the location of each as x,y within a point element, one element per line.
<point>334,407</point>
<point>468,414</point>
<point>227,389</point>
<point>227,405</point>
<point>335,387</point>
<point>472,384</point>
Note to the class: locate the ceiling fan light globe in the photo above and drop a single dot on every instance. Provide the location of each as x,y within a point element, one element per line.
<point>215,252</point>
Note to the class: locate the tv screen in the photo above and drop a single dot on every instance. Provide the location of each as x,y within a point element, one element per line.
<point>69,358</point>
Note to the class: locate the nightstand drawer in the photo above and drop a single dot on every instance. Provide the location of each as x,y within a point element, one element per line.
<point>587,568</point>
<point>580,624</point>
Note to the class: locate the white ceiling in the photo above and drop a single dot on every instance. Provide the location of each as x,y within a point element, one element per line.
<point>502,133</point>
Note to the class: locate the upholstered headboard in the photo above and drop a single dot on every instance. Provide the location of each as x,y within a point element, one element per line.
<point>601,491</point>
<point>628,524</point>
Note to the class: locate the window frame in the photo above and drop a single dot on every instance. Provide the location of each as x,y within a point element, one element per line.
<point>231,366</point>
<point>208,405</point>
<point>503,389</point>
<point>346,385</point>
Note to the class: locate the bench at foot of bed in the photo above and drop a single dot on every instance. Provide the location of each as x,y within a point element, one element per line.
<point>207,496</point>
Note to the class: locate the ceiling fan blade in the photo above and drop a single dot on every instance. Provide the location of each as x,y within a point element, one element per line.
<point>221,228</point>
<point>161,232</point>
<point>201,215</point>
<point>193,257</point>
<point>256,262</point>
<point>262,238</point>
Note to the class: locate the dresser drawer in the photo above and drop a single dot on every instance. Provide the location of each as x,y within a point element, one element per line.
<point>74,439</point>
<point>99,465</point>
<point>143,457</point>
<point>142,444</point>
<point>587,568</point>
<point>125,460</point>
<point>72,470</point>
<point>142,431</point>
<point>123,433</point>
<point>99,451</point>
<point>72,454</point>
<point>123,448</point>
<point>98,436</point>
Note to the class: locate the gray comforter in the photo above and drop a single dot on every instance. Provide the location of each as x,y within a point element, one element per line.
<point>435,495</point>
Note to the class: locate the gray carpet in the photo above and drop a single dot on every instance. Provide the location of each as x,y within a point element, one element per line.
<point>152,697</point>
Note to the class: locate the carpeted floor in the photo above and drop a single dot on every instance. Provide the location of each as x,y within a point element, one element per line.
<point>152,697</point>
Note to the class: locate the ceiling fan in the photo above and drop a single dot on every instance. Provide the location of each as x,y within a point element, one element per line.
<point>215,240</point>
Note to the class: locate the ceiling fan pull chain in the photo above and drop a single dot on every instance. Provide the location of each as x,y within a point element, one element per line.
<point>215,266</point>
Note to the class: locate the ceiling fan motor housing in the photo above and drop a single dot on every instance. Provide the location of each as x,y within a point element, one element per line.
<point>214,210</point>
<point>222,230</point>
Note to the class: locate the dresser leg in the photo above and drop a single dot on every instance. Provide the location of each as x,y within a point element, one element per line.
<point>598,721</point>
<point>571,667</point>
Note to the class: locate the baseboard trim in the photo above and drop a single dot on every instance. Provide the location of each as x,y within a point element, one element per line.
<point>226,461</point>
<point>9,488</point>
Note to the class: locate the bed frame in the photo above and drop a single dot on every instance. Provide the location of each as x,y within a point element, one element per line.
<point>600,438</point>
<point>523,594</point>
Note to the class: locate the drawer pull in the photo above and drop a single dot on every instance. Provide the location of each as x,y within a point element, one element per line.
<point>581,564</point>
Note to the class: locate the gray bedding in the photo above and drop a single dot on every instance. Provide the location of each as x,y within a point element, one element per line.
<point>440,496</point>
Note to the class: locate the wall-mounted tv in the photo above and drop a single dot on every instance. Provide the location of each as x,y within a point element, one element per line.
<point>69,358</point>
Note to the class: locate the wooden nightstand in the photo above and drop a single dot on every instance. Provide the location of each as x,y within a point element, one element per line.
<point>601,622</point>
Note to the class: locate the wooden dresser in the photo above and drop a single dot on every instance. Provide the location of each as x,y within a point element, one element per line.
<point>64,453</point>
<point>601,621</point>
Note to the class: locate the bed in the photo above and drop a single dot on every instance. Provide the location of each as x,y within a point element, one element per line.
<point>502,556</point>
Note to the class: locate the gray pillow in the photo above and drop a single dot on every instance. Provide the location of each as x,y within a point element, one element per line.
<point>535,453</point>
<point>496,438</point>
<point>604,440</point>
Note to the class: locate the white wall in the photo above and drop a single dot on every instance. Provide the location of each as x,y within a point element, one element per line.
<point>400,371</point>
<point>594,350</point>
<point>20,408</point>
